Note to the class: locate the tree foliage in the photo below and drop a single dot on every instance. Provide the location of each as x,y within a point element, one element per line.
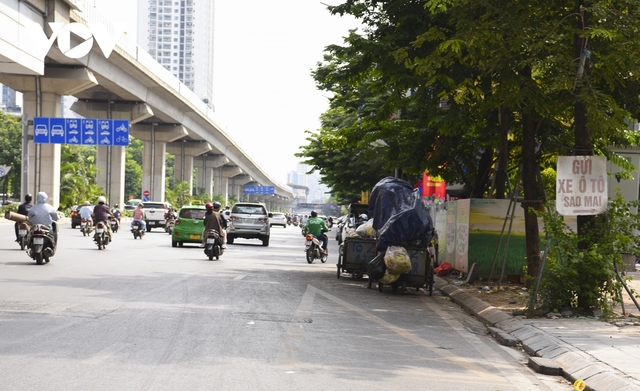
<point>78,176</point>
<point>446,84</point>
<point>11,150</point>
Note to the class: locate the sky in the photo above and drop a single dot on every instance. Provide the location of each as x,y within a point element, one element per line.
<point>264,51</point>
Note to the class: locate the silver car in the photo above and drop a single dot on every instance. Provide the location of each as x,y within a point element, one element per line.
<point>278,219</point>
<point>249,221</point>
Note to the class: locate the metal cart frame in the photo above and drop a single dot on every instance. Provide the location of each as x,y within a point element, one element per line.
<point>354,255</point>
<point>421,274</point>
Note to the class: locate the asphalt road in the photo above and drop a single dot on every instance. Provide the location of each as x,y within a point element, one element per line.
<point>142,315</point>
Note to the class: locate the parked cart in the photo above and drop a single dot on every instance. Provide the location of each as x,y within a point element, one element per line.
<point>421,274</point>
<point>354,255</point>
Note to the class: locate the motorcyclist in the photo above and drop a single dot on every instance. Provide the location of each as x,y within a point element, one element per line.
<point>138,215</point>
<point>85,213</point>
<point>116,212</point>
<point>43,213</point>
<point>361,219</point>
<point>317,227</point>
<point>223,221</point>
<point>23,209</point>
<point>212,220</point>
<point>170,215</point>
<point>102,213</point>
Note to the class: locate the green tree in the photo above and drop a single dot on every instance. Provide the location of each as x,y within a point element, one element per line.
<point>78,176</point>
<point>133,168</point>
<point>11,150</point>
<point>554,75</point>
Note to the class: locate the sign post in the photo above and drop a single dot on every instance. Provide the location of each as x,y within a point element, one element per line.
<point>81,131</point>
<point>581,185</point>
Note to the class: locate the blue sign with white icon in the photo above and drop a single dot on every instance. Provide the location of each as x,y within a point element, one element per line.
<point>81,131</point>
<point>259,190</point>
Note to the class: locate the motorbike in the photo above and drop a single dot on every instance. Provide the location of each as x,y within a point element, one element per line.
<point>137,230</point>
<point>168,228</point>
<point>23,234</point>
<point>85,227</point>
<point>41,243</point>
<point>313,249</point>
<point>288,220</point>
<point>213,244</point>
<point>101,237</point>
<point>114,224</point>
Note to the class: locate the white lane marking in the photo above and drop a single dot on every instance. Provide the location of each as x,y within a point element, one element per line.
<point>240,277</point>
<point>105,354</point>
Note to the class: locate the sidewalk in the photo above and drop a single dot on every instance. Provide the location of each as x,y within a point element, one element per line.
<point>603,355</point>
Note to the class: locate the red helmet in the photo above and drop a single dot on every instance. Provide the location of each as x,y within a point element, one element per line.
<point>209,206</point>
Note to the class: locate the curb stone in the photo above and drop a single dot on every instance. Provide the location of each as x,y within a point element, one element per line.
<point>537,343</point>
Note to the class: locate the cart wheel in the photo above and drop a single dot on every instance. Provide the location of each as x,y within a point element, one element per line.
<point>403,289</point>
<point>380,286</point>
<point>338,273</point>
<point>357,275</point>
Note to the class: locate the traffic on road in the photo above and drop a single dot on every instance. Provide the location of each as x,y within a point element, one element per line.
<point>143,314</point>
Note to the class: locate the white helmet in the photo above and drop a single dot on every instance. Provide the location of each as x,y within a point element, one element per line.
<point>363,217</point>
<point>102,200</point>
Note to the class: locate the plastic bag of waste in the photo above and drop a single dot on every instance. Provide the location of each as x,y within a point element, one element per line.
<point>351,233</point>
<point>366,230</point>
<point>389,278</point>
<point>376,268</point>
<point>397,260</point>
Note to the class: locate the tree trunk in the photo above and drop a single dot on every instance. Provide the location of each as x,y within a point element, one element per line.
<point>531,201</point>
<point>500,179</point>
<point>484,170</point>
<point>582,133</point>
<point>531,190</point>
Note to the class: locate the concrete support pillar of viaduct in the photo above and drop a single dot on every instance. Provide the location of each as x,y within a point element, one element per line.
<point>205,166</point>
<point>110,161</point>
<point>184,152</point>
<point>155,138</point>
<point>41,98</point>
<point>221,185</point>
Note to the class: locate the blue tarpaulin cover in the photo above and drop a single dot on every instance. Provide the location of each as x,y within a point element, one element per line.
<point>398,213</point>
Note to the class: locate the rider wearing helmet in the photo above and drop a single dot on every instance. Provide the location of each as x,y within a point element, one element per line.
<point>362,219</point>
<point>43,213</point>
<point>317,227</point>
<point>102,213</point>
<point>116,213</point>
<point>23,209</point>
<point>211,221</point>
<point>216,208</point>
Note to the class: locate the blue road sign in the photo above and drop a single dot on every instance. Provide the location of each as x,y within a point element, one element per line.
<point>259,189</point>
<point>76,131</point>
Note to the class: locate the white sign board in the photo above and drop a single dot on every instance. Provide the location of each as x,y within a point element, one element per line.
<point>4,170</point>
<point>581,185</point>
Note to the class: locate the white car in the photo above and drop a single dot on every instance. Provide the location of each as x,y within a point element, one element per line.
<point>278,219</point>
